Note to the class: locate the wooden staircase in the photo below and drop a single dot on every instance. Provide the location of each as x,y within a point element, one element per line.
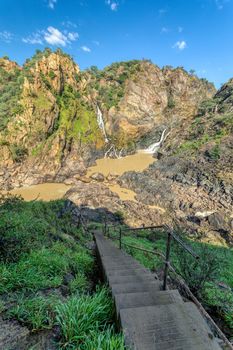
<point>151,319</point>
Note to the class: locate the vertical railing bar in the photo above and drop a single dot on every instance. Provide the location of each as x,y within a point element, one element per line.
<point>120,238</point>
<point>105,225</point>
<point>167,262</point>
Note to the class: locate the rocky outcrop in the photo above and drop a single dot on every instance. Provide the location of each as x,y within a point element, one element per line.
<point>98,198</point>
<point>193,174</point>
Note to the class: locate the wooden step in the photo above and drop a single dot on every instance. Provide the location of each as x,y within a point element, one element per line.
<point>166,327</point>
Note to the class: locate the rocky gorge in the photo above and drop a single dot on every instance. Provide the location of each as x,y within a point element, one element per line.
<point>56,120</point>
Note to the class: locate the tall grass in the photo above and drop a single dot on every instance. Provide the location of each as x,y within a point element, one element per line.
<point>85,322</point>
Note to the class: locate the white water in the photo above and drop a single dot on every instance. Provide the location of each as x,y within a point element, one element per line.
<point>155,146</point>
<point>100,122</point>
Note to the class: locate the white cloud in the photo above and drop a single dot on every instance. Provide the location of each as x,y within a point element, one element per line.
<point>72,36</point>
<point>220,3</point>
<point>164,30</point>
<point>52,36</point>
<point>162,12</point>
<point>51,3</point>
<point>181,45</point>
<point>69,24</point>
<point>6,36</point>
<point>180,29</point>
<point>112,4</point>
<point>35,38</point>
<point>86,49</point>
<point>96,42</point>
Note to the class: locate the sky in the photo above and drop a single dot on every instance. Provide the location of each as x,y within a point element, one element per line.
<point>195,34</point>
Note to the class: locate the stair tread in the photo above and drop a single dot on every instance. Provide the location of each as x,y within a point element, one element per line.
<point>166,327</point>
<point>139,299</point>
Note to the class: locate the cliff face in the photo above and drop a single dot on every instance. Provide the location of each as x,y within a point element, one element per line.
<point>138,96</point>
<point>48,123</point>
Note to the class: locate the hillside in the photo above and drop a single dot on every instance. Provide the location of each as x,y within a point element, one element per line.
<point>194,174</point>
<point>48,112</point>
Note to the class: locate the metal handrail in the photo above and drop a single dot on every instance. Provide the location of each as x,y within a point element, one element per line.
<point>171,235</point>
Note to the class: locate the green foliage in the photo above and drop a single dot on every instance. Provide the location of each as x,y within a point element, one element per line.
<point>106,340</point>
<point>79,284</point>
<point>207,106</point>
<point>30,63</point>
<point>215,152</point>
<point>40,246</point>
<point>171,103</point>
<point>77,119</point>
<point>37,312</point>
<point>192,145</point>
<point>10,90</point>
<point>18,152</point>
<point>197,273</point>
<point>42,102</point>
<point>115,78</point>
<point>222,301</point>
<point>85,320</point>
<point>52,75</point>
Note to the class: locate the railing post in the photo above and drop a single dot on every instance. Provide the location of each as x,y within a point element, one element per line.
<point>120,238</point>
<point>105,225</point>
<point>166,267</point>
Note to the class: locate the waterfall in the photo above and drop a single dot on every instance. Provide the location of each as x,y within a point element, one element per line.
<point>155,146</point>
<point>100,122</point>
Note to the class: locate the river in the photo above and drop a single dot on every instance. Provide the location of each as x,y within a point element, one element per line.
<point>51,191</point>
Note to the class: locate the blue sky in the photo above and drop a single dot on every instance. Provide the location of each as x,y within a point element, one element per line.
<point>195,34</point>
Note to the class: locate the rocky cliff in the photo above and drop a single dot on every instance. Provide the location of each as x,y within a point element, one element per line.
<point>193,176</point>
<point>48,108</point>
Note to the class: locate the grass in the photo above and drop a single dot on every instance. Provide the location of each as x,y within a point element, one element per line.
<point>47,277</point>
<point>44,268</point>
<point>85,322</point>
<point>37,312</point>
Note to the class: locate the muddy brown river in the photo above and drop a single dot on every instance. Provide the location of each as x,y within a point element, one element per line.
<point>51,191</point>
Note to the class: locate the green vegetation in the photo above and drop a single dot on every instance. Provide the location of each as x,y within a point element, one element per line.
<point>85,320</point>
<point>10,90</point>
<point>77,119</point>
<point>203,276</point>
<point>37,312</point>
<point>171,103</point>
<point>115,78</point>
<point>47,276</point>
<point>18,152</point>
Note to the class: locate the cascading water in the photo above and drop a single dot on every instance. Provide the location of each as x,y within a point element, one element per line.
<point>155,146</point>
<point>100,122</point>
